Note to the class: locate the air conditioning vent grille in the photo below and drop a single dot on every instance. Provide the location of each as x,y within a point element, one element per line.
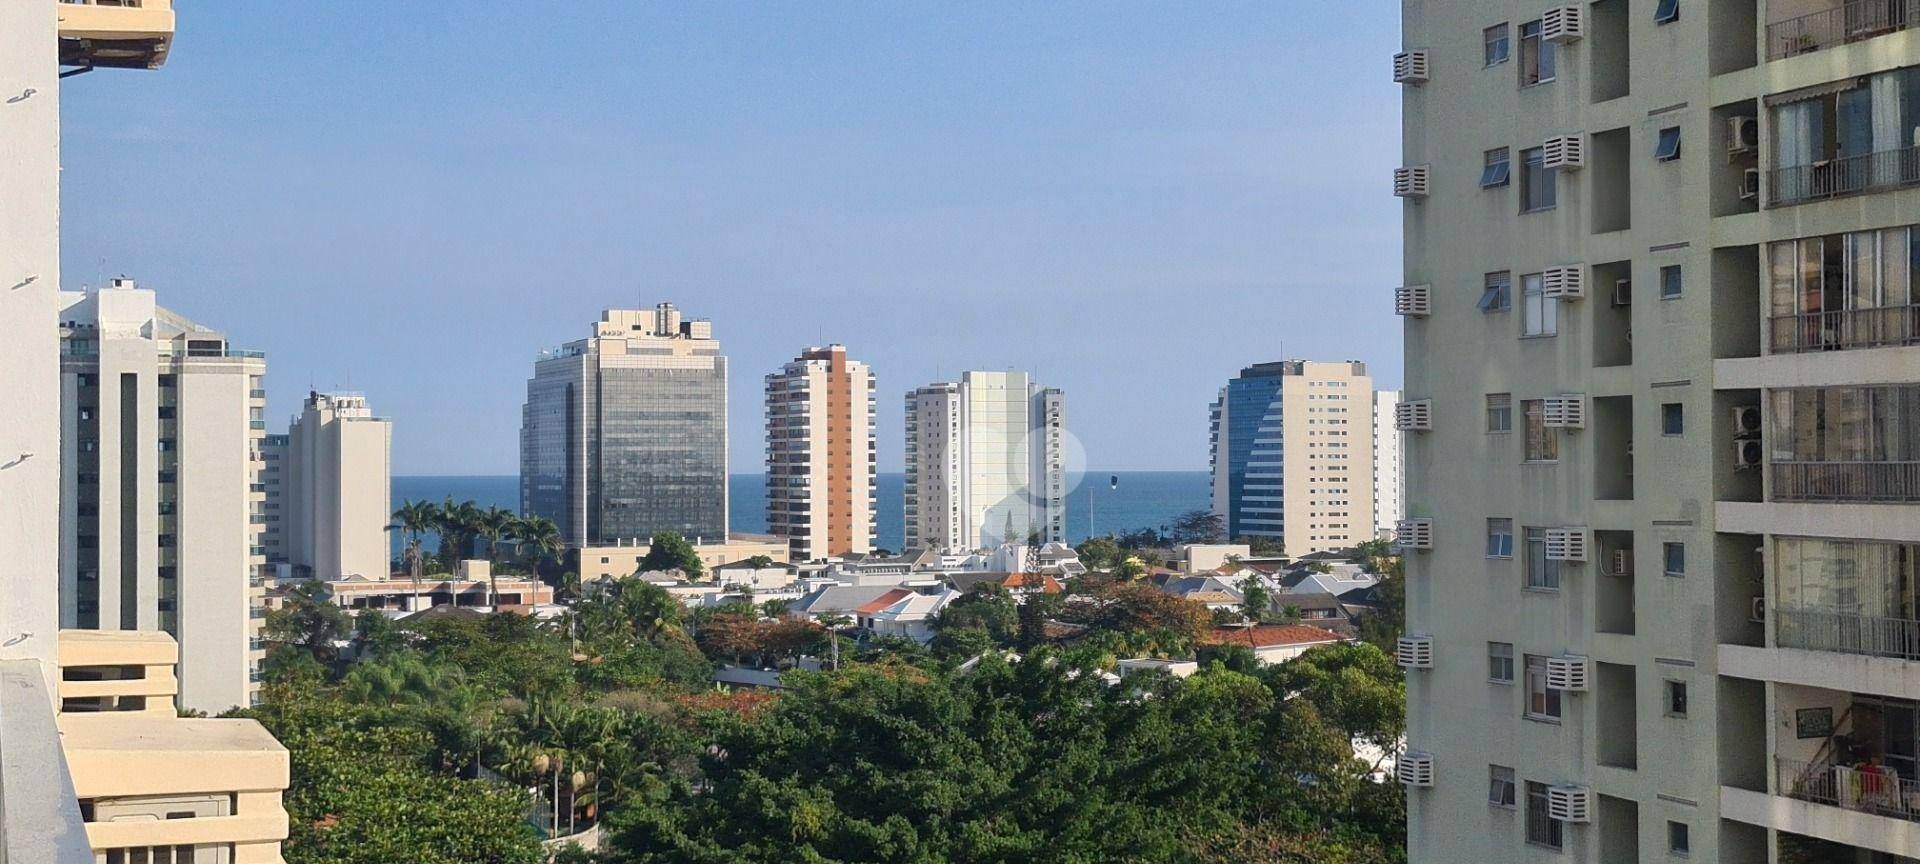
<point>1414,652</point>
<point>1570,804</point>
<point>1413,534</point>
<point>1566,152</point>
<point>1569,673</point>
<point>1564,24</point>
<point>1565,411</point>
<point>1414,416</point>
<point>1566,544</point>
<point>1411,181</point>
<point>1414,768</point>
<point>1414,301</point>
<point>1410,67</point>
<point>1566,281</point>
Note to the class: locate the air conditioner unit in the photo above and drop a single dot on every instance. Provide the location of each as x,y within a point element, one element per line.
<point>1413,534</point>
<point>1567,544</point>
<point>1414,768</point>
<point>1746,421</point>
<point>1565,282</point>
<point>1411,181</point>
<point>1748,453</point>
<point>1570,673</point>
<point>1415,301</point>
<point>1410,67</point>
<point>1623,292</point>
<point>1570,803</point>
<point>1565,411</point>
<point>1620,563</point>
<point>1750,184</point>
<point>161,808</point>
<point>1565,152</point>
<point>1414,416</point>
<point>1564,24</point>
<point>1743,134</point>
<point>1757,611</point>
<point>1414,652</point>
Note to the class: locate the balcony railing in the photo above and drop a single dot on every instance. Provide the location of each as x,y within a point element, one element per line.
<point>1874,790</point>
<point>1845,175</point>
<point>1857,482</point>
<point>1847,633</point>
<point>1848,22</point>
<point>1854,328</point>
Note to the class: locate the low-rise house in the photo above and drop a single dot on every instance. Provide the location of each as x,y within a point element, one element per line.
<point>1176,668</point>
<point>745,574</point>
<point>1017,584</point>
<point>1339,578</point>
<point>1214,591</point>
<point>1272,643</point>
<point>904,612</point>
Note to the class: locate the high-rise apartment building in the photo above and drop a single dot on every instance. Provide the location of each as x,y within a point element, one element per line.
<point>1292,454</point>
<point>1389,477</point>
<point>624,433</point>
<point>821,468</point>
<point>89,716</point>
<point>333,493</point>
<point>1663,404</point>
<point>985,462</point>
<point>161,509</point>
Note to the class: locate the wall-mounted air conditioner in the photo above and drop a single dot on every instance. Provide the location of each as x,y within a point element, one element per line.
<point>1414,652</point>
<point>1415,301</point>
<point>1748,453</point>
<point>1564,411</point>
<point>1750,184</point>
<point>1567,544</point>
<point>1413,534</point>
<point>1414,768</point>
<point>1564,24</point>
<point>1565,281</point>
<point>1411,181</point>
<point>1757,610</point>
<point>1746,421</point>
<point>1570,803</point>
<point>1743,134</point>
<point>1565,152</point>
<point>1620,562</point>
<point>1414,416</point>
<point>1410,67</point>
<point>1623,292</point>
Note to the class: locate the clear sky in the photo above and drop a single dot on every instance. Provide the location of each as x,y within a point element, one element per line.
<point>412,199</point>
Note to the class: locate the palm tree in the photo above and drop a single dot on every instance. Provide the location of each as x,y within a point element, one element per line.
<point>539,535</point>
<point>458,522</point>
<point>494,525</point>
<point>414,518</point>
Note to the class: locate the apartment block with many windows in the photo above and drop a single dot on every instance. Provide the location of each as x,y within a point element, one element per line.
<point>1659,300</point>
<point>821,466</point>
<point>985,462</point>
<point>1293,449</point>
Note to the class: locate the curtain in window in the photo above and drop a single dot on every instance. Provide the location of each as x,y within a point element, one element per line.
<point>1795,129</point>
<point>1888,134</point>
<point>1894,266</point>
<point>1863,271</point>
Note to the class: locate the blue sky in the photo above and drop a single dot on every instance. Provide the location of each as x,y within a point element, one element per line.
<point>1132,201</point>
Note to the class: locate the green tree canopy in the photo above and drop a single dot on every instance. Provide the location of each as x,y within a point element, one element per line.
<point>670,551</point>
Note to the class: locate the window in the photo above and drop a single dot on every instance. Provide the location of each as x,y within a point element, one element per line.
<point>1542,829</point>
<point>1500,662</point>
<point>1543,702</point>
<point>1667,148</point>
<point>1540,314</point>
<point>1675,557</point>
<point>1667,12</point>
<point>1536,56</point>
<point>1498,294</point>
<point>1673,419</point>
<point>1499,538</point>
<point>1678,843</point>
<point>1543,441</point>
<point>1671,283</point>
<point>1499,412</point>
<point>1496,44</point>
<point>1676,695</point>
<point>1543,573</point>
<point>1537,188</point>
<point>1496,171</point>
<point>1500,786</point>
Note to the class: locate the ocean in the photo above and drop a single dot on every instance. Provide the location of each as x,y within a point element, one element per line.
<point>1104,503</point>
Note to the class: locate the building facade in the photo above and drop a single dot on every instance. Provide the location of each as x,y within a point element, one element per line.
<point>624,433</point>
<point>1663,360</point>
<point>985,462</point>
<point>1292,454</point>
<point>161,507</point>
<point>333,490</point>
<point>821,466</point>
<point>1389,477</point>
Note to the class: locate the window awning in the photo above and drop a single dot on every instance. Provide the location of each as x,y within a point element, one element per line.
<point>1815,92</point>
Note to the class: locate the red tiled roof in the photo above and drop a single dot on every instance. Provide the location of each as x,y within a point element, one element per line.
<point>1048,584</point>
<point>883,601</point>
<point>1269,635</point>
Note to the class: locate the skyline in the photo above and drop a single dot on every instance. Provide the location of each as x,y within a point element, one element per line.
<point>1055,191</point>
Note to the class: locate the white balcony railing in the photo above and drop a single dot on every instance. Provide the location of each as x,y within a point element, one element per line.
<point>1857,482</point>
<point>1847,633</point>
<point>1839,25</point>
<point>1876,789</point>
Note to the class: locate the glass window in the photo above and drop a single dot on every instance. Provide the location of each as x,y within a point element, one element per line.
<point>1496,171</point>
<point>1543,441</point>
<point>1667,12</point>
<point>1678,841</point>
<point>1671,282</point>
<point>1500,791</point>
<point>1543,702</point>
<point>1676,698</point>
<point>1536,56</point>
<point>1543,573</point>
<point>1675,557</point>
<point>1540,314</point>
<point>1497,296</point>
<point>1672,419</point>
<point>1500,662</point>
<point>1495,38</point>
<point>1667,147</point>
<point>1499,538</point>
<point>1538,190</point>
<point>1499,412</point>
<point>1542,829</point>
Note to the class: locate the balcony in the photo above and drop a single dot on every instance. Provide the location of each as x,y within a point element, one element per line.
<point>115,34</point>
<point>1844,175</point>
<point>1843,23</point>
<point>1891,326</point>
<point>1847,633</point>
<point>1849,482</point>
<point>1878,791</point>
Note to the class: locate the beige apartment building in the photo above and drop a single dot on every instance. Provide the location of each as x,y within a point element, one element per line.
<point>94,764</point>
<point>821,466</point>
<point>985,463</point>
<point>330,488</point>
<point>1663,405</point>
<point>161,504</point>
<point>620,560</point>
<point>1293,454</point>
